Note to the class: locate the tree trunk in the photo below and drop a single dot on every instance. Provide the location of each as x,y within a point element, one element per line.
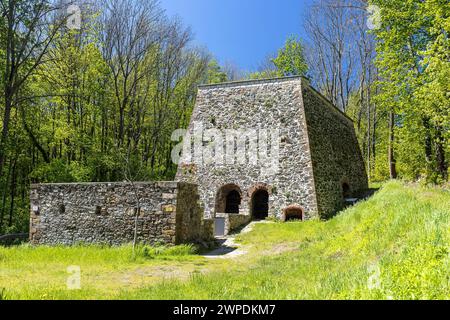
<point>374,134</point>
<point>45,155</point>
<point>5,196</point>
<point>442,165</point>
<point>392,161</point>
<point>369,136</point>
<point>13,193</point>
<point>5,130</point>
<point>428,141</point>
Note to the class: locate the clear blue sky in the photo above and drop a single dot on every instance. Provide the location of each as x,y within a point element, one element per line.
<point>240,31</point>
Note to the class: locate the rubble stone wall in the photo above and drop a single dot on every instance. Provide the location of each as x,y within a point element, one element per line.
<point>105,213</point>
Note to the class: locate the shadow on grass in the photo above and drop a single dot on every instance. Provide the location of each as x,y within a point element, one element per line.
<point>221,250</point>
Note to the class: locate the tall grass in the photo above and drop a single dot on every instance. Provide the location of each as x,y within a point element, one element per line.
<point>90,253</point>
<point>28,272</point>
<point>393,246</point>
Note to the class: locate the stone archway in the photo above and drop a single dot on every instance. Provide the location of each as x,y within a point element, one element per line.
<point>293,213</point>
<point>260,205</point>
<point>259,196</point>
<point>229,199</point>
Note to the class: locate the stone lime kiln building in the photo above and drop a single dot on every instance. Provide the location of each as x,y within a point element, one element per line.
<point>315,159</point>
<point>254,149</point>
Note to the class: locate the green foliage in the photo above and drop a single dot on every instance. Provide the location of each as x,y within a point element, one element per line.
<point>379,169</point>
<point>161,252</point>
<point>59,171</point>
<point>414,62</point>
<point>266,74</point>
<point>83,117</point>
<point>215,73</point>
<point>3,295</point>
<point>291,59</point>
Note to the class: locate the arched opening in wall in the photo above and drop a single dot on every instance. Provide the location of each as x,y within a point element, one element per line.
<point>233,202</point>
<point>346,191</point>
<point>229,199</point>
<point>260,204</point>
<point>293,213</point>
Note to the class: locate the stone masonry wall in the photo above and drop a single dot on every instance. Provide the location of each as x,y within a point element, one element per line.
<point>104,213</point>
<point>269,104</point>
<point>191,225</point>
<point>335,152</point>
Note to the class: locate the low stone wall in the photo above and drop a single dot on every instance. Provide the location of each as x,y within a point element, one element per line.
<point>208,230</point>
<point>104,213</point>
<point>238,221</point>
<point>233,221</point>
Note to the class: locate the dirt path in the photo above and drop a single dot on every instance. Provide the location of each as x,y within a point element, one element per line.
<point>229,249</point>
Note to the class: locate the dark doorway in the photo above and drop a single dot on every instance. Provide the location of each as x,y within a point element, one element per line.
<point>346,191</point>
<point>260,205</point>
<point>233,202</point>
<point>228,199</point>
<point>293,213</point>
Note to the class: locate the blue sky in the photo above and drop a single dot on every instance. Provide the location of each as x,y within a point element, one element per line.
<point>240,31</point>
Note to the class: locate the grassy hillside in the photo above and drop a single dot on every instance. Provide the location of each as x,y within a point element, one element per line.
<point>393,246</point>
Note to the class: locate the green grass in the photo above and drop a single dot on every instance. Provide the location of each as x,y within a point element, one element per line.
<point>28,272</point>
<point>392,246</point>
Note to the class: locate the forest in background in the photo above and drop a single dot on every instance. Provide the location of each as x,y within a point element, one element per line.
<point>100,102</point>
